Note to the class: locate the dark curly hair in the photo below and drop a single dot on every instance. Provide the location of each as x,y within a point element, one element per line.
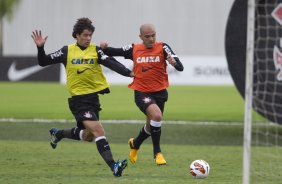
<point>82,24</point>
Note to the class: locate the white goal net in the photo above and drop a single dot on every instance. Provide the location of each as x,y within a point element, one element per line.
<point>266,150</point>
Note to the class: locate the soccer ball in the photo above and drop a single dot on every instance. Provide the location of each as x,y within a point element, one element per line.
<point>199,169</point>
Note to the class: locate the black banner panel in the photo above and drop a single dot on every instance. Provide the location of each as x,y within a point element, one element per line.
<point>267,75</point>
<point>27,69</point>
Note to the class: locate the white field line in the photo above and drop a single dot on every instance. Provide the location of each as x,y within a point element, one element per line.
<point>36,120</point>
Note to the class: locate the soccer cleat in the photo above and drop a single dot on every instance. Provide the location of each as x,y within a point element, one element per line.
<point>133,152</point>
<point>119,167</point>
<point>54,140</point>
<point>159,159</point>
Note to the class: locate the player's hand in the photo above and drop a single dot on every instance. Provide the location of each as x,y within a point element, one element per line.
<point>132,74</point>
<point>38,39</point>
<point>104,45</point>
<point>171,60</point>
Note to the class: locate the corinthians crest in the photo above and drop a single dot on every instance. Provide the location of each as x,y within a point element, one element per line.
<point>277,55</point>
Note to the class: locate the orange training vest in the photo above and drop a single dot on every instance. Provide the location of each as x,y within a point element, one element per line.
<point>149,68</point>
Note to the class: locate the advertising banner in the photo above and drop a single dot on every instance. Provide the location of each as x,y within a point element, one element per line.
<point>26,69</point>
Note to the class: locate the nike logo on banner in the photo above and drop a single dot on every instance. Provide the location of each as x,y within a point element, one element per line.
<point>81,71</point>
<point>16,75</point>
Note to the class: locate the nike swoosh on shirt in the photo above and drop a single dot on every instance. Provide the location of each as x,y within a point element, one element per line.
<point>81,71</point>
<point>146,69</point>
<point>16,75</point>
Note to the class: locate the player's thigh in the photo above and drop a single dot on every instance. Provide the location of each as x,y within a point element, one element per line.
<point>143,100</point>
<point>161,98</point>
<point>85,108</point>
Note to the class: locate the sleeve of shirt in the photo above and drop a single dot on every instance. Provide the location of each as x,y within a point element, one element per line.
<point>59,56</point>
<point>125,51</point>
<point>112,63</point>
<point>168,51</point>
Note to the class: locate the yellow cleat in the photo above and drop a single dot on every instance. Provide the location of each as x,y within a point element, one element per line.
<point>133,152</point>
<point>160,159</point>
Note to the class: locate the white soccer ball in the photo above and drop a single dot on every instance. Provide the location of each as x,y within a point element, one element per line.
<point>199,169</point>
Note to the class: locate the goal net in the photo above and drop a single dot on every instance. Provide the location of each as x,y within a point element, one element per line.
<point>253,43</point>
<point>266,150</point>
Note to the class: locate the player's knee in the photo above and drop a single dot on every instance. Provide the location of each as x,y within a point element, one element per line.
<point>95,128</point>
<point>157,117</point>
<point>87,136</point>
<point>154,113</point>
<point>99,131</point>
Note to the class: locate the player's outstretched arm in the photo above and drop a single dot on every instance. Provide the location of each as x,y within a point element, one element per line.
<point>116,66</point>
<point>43,59</point>
<point>113,64</point>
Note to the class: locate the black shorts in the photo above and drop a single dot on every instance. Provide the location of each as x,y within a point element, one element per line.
<point>85,107</point>
<point>143,100</point>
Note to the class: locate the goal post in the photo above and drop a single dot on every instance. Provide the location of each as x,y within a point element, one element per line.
<point>248,92</point>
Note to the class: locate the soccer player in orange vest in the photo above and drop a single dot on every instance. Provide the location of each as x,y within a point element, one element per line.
<point>149,85</point>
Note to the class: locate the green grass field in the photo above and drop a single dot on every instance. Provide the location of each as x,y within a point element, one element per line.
<point>27,158</point>
<point>190,103</point>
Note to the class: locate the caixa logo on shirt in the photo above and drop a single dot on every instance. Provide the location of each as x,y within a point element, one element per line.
<point>148,59</point>
<point>82,61</point>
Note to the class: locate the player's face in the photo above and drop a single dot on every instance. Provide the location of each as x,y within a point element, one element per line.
<point>84,39</point>
<point>148,36</point>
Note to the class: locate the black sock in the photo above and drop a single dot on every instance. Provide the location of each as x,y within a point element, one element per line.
<point>72,133</point>
<point>140,138</point>
<point>105,151</point>
<point>156,136</point>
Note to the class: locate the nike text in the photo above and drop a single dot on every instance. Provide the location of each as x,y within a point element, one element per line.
<point>56,54</point>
